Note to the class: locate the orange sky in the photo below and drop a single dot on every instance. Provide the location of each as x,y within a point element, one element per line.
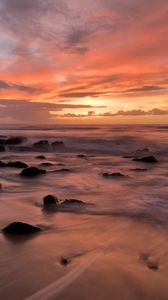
<point>71,61</point>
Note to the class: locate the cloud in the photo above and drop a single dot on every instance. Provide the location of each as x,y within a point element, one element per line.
<point>82,94</point>
<point>68,50</point>
<point>135,112</point>
<point>16,86</point>
<point>145,88</point>
<point>32,112</point>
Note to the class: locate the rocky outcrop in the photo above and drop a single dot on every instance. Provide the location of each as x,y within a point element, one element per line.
<point>114,175</point>
<point>147,159</point>
<point>14,140</point>
<point>2,148</point>
<point>50,202</point>
<point>17,164</point>
<point>41,157</point>
<point>32,172</point>
<point>41,144</point>
<point>20,228</point>
<point>58,144</point>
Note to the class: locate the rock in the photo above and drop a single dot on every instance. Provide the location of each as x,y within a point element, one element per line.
<point>42,143</point>
<point>41,157</point>
<point>32,171</point>
<point>139,170</point>
<point>64,261</point>
<point>62,170</point>
<point>146,159</point>
<point>115,175</point>
<point>14,141</point>
<point>81,156</point>
<point>2,164</point>
<point>20,228</point>
<point>57,144</point>
<point>50,200</point>
<point>47,164</point>
<point>17,164</point>
<point>73,202</point>
<point>152,265</point>
<point>2,148</point>
<point>2,141</point>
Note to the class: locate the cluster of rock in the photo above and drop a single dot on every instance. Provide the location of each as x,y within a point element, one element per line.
<point>9,141</point>
<point>51,202</point>
<point>114,175</point>
<point>46,144</point>
<point>21,228</point>
<point>13,164</point>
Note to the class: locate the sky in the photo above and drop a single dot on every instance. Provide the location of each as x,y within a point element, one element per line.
<point>92,61</point>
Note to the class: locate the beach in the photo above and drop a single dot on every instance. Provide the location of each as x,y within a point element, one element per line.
<point>116,246</point>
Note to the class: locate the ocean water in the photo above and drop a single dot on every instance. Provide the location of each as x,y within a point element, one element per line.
<point>110,245</point>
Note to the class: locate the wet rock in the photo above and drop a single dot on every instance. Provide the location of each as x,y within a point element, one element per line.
<point>58,144</point>
<point>115,175</point>
<point>2,164</point>
<point>50,200</point>
<point>46,164</point>
<point>2,141</point>
<point>62,170</point>
<point>42,143</point>
<point>146,159</point>
<point>152,265</point>
<point>17,164</point>
<point>41,157</point>
<point>139,170</point>
<point>64,261</point>
<point>20,228</point>
<point>32,172</point>
<point>2,148</point>
<point>69,202</point>
<point>81,156</point>
<point>14,140</point>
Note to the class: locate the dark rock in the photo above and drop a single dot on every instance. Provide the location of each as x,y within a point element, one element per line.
<point>42,143</point>
<point>152,265</point>
<point>2,141</point>
<point>20,228</point>
<point>64,261</point>
<point>115,175</point>
<point>139,170</point>
<point>14,141</point>
<point>17,164</point>
<point>46,164</point>
<point>2,148</point>
<point>81,156</point>
<point>146,159</point>
<point>32,171</point>
<point>2,164</point>
<point>73,202</point>
<point>50,200</point>
<point>62,170</point>
<point>57,144</point>
<point>41,157</point>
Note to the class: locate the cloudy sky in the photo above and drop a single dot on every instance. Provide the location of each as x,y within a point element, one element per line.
<point>92,61</point>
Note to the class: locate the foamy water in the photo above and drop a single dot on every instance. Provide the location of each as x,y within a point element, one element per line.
<point>108,243</point>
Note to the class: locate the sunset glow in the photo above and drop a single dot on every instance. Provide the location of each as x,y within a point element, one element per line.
<point>70,61</point>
